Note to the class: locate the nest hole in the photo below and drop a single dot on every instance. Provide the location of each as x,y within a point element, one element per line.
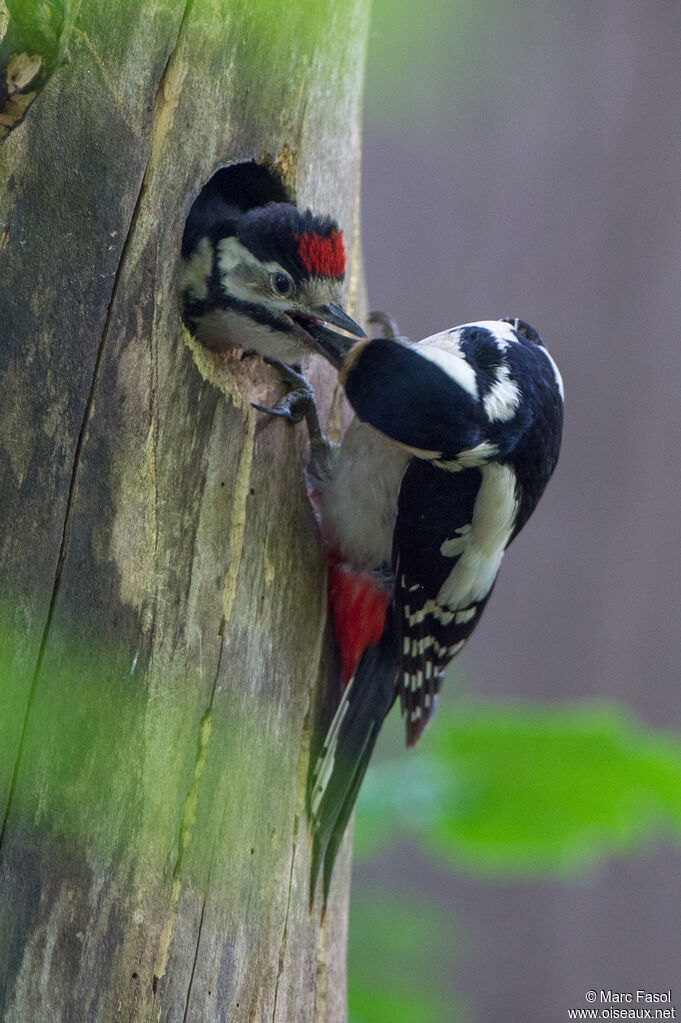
<point>242,185</point>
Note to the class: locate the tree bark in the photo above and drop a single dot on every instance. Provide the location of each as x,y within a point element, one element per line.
<point>164,650</point>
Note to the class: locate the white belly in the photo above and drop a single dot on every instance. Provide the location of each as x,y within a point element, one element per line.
<point>359,509</point>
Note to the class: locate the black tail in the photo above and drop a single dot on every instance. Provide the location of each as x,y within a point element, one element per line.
<point>345,754</point>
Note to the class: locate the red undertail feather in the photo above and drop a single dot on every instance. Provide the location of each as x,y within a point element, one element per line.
<point>358,603</point>
<point>322,255</point>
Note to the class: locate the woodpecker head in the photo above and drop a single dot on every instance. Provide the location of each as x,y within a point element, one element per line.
<point>262,279</point>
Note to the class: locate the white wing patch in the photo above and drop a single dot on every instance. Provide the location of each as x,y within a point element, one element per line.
<point>458,543</point>
<point>480,546</point>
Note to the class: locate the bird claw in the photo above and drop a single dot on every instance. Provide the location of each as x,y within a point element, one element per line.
<point>293,407</point>
<point>297,405</point>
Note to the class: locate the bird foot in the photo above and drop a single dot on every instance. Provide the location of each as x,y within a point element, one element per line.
<point>297,404</point>
<point>293,406</point>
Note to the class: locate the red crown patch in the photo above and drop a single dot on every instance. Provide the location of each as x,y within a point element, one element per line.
<point>323,256</point>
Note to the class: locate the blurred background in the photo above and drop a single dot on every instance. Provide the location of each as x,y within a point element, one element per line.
<point>525,160</point>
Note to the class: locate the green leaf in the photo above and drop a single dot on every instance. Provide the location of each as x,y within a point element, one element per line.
<point>525,789</point>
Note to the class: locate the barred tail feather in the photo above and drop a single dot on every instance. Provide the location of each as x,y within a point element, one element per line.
<point>345,754</point>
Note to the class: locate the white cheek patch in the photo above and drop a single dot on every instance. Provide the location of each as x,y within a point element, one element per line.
<point>195,271</point>
<point>231,254</point>
<point>245,277</point>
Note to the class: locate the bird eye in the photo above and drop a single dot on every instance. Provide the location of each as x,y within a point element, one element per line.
<point>282,283</point>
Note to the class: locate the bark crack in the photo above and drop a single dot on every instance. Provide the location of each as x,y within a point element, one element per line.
<point>184,838</point>
<point>237,526</point>
<point>284,937</point>
<point>196,956</point>
<point>151,160</point>
<point>198,938</point>
<point>63,548</point>
<point>301,786</point>
<point>321,978</point>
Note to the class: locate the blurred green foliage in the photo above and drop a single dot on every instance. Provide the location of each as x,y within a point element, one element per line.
<point>504,790</point>
<point>525,789</point>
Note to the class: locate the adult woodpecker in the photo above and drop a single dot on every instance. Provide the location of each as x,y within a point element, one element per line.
<point>257,273</point>
<point>453,442</point>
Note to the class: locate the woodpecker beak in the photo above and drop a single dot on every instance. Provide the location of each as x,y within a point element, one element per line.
<point>329,343</point>
<point>334,313</point>
<point>334,347</point>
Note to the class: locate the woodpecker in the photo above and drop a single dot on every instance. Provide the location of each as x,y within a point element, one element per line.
<point>452,444</point>
<point>256,274</point>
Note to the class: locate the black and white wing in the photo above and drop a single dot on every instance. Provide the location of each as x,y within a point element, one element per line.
<point>491,435</point>
<point>441,582</point>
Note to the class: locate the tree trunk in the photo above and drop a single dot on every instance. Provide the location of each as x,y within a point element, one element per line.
<point>164,650</point>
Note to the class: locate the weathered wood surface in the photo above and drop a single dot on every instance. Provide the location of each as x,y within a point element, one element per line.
<point>164,644</point>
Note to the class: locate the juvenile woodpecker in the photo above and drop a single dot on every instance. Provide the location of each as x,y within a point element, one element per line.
<point>257,274</point>
<point>453,442</point>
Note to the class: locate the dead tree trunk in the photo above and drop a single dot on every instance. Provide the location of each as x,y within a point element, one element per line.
<point>163,644</point>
